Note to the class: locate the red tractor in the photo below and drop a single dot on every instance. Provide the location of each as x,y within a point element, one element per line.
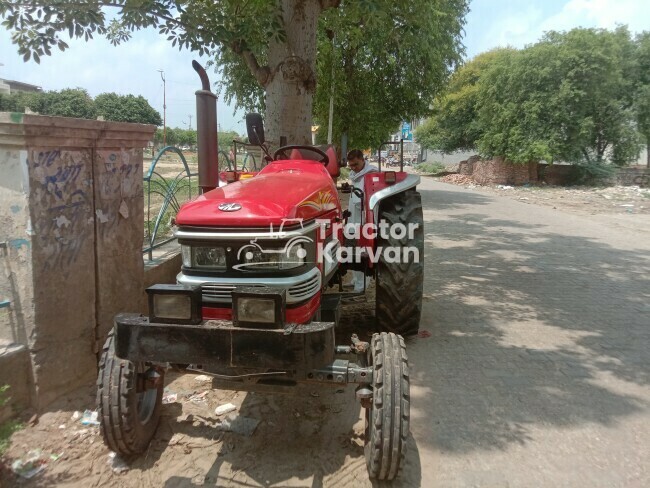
<point>257,303</point>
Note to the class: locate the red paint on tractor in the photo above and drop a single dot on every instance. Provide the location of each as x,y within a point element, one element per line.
<point>297,315</point>
<point>281,190</point>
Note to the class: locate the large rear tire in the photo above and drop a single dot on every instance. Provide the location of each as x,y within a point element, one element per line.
<point>129,412</point>
<point>387,419</point>
<point>398,305</point>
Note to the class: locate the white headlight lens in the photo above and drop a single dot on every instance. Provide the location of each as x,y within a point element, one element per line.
<point>209,257</point>
<point>275,258</point>
<point>169,306</point>
<point>260,310</point>
<point>186,252</point>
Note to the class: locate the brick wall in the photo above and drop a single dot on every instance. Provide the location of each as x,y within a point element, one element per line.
<point>501,172</point>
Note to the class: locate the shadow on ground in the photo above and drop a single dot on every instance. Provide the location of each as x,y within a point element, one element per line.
<point>528,328</point>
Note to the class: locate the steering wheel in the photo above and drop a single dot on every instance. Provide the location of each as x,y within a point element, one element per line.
<point>281,150</point>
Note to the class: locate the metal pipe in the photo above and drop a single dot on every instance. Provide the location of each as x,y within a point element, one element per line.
<point>206,128</point>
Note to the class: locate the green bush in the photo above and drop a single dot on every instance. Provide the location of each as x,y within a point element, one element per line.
<point>592,173</point>
<point>434,167</point>
<point>9,427</point>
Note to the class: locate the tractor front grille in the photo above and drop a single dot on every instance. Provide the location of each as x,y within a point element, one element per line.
<point>219,293</point>
<point>299,288</point>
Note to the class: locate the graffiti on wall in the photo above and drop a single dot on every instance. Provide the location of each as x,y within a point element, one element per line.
<point>65,215</point>
<point>61,186</point>
<point>119,185</point>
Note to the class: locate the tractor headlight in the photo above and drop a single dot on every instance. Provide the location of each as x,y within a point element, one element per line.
<point>176,304</point>
<point>186,252</point>
<point>294,257</point>
<point>256,310</point>
<point>204,257</point>
<point>259,307</point>
<point>290,258</point>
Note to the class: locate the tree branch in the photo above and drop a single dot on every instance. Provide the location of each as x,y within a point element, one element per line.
<point>261,73</point>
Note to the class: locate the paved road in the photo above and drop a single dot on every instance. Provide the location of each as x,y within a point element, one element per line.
<point>537,372</point>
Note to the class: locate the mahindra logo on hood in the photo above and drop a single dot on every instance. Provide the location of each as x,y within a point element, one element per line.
<point>229,207</point>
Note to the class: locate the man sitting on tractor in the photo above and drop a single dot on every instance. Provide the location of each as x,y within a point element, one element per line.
<point>359,168</point>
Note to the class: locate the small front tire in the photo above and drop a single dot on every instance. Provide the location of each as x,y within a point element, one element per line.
<point>129,412</point>
<point>387,419</point>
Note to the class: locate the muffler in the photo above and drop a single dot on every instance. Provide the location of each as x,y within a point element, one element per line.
<point>206,129</point>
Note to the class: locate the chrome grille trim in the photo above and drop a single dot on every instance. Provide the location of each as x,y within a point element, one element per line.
<point>218,290</point>
<point>244,235</point>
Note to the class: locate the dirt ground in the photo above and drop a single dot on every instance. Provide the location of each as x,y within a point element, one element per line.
<point>190,449</point>
<point>621,200</point>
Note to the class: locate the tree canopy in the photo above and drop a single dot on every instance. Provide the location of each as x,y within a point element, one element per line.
<point>642,89</point>
<point>569,97</point>
<point>397,52</point>
<point>70,102</point>
<point>392,59</point>
<point>126,108</point>
<point>76,102</point>
<point>454,124</point>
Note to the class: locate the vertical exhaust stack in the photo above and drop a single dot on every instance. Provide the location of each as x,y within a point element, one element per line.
<point>206,128</point>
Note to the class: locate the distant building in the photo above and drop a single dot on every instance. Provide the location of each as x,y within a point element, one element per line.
<point>411,147</point>
<point>11,86</point>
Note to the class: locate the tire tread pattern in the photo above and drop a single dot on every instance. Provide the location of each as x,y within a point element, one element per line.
<point>388,419</point>
<point>117,403</point>
<point>398,306</point>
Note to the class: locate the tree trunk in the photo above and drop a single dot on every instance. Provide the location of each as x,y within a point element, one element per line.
<point>647,151</point>
<point>292,82</point>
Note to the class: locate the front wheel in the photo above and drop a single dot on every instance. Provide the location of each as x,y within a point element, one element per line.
<point>387,419</point>
<point>129,400</point>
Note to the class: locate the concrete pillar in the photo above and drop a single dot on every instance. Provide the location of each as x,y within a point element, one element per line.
<point>71,220</point>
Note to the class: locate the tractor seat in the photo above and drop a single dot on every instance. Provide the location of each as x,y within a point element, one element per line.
<point>333,167</point>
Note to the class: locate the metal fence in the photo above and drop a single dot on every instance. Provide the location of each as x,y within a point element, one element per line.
<point>165,190</point>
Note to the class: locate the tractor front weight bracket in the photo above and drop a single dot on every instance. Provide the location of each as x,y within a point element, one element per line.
<point>341,371</point>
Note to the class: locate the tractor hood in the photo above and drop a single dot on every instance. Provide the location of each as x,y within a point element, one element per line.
<point>282,190</point>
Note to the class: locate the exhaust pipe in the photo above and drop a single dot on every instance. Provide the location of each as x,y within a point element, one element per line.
<point>206,128</point>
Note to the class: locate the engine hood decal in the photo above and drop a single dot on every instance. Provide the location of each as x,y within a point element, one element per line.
<point>323,201</point>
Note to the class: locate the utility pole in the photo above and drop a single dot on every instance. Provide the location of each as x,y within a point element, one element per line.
<point>162,75</point>
<point>190,116</point>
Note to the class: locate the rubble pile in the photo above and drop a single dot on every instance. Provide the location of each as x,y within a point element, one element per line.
<point>458,179</point>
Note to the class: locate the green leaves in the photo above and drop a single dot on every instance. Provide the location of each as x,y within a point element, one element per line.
<point>566,98</point>
<point>77,103</point>
<point>391,59</point>
<point>454,124</point>
<point>126,108</point>
<point>570,97</point>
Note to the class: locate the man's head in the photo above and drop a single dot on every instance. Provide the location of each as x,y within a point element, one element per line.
<point>355,160</point>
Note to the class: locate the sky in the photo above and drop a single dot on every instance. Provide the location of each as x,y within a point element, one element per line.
<point>133,67</point>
